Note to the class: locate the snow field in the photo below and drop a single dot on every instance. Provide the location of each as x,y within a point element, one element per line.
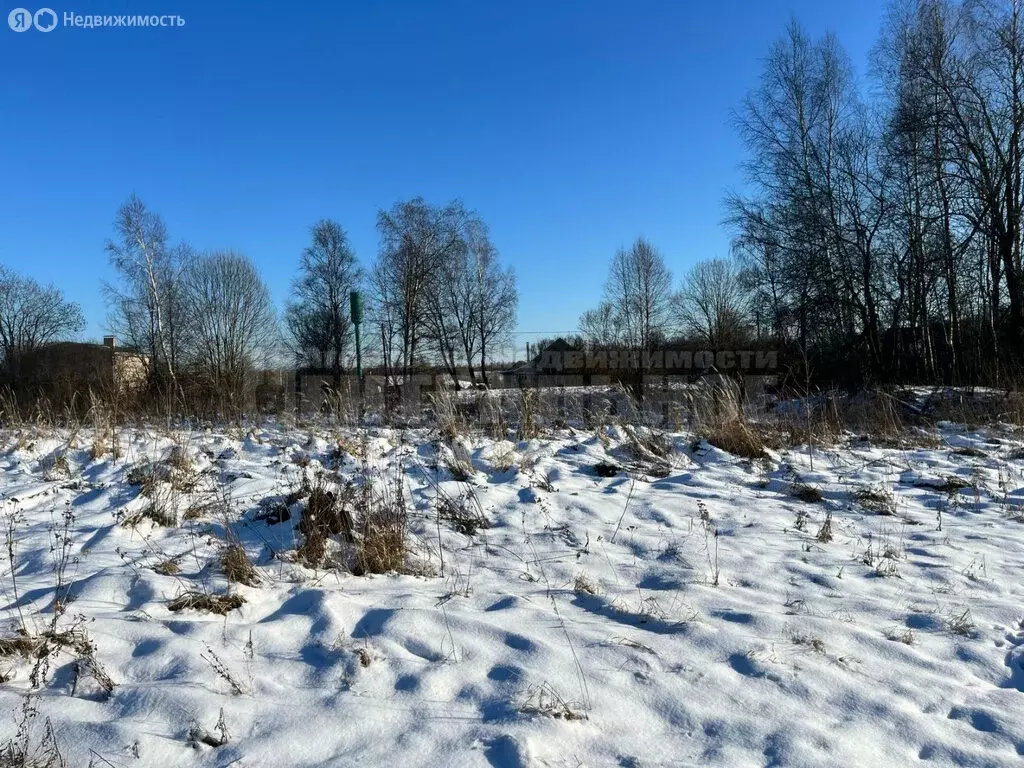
<point>707,616</point>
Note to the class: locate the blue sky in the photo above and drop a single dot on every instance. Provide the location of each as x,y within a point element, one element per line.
<point>572,127</point>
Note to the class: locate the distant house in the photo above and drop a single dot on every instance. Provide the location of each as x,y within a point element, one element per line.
<point>68,367</point>
<point>542,369</point>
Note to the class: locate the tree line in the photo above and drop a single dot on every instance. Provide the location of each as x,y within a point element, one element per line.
<point>877,239</point>
<point>879,236</point>
<point>437,294</point>
<point>882,231</point>
<point>642,308</point>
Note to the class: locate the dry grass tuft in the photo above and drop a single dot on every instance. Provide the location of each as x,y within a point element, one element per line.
<point>814,643</point>
<point>807,493</point>
<point>98,449</point>
<point>168,568</point>
<point>381,548</point>
<point>878,500</point>
<point>162,510</point>
<point>583,585</point>
<point>466,518</point>
<point>458,464</point>
<point>905,636</point>
<point>504,457</point>
<point>237,566</point>
<point>449,417</point>
<point>18,645</point>
<point>544,700</point>
<point>825,532</point>
<point>176,470</point>
<point>326,515</point>
<point>737,437</point>
<point>961,623</point>
<point>200,601</point>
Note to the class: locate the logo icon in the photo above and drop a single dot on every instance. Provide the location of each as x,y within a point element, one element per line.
<point>20,20</point>
<point>45,19</point>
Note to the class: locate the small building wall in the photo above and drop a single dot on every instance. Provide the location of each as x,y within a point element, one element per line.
<point>68,368</point>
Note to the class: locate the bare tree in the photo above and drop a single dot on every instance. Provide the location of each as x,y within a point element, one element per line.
<point>637,306</point>
<point>449,311</point>
<point>639,286</point>
<point>317,318</point>
<point>494,301</point>
<point>416,240</point>
<point>233,328</point>
<point>31,315</point>
<point>600,326</point>
<point>146,308</point>
<point>712,303</point>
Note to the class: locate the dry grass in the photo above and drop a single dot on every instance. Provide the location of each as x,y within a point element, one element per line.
<point>504,457</point>
<point>456,460</point>
<point>18,645</point>
<point>44,648</point>
<point>466,517</point>
<point>98,449</point>
<point>814,643</point>
<point>544,700</point>
<point>161,510</point>
<point>448,415</point>
<point>201,601</point>
<point>809,494</point>
<point>825,532</point>
<point>167,568</point>
<point>526,408</point>
<point>381,548</point>
<point>583,585</point>
<point>878,500</point>
<point>905,636</point>
<point>237,566</point>
<point>737,437</point>
<point>651,449</point>
<point>326,515</point>
<point>960,623</point>
<point>176,471</point>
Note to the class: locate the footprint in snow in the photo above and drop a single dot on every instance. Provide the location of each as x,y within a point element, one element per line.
<point>1015,659</point>
<point>506,752</point>
<point>519,643</point>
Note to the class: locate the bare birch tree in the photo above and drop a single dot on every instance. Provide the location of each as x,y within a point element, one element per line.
<point>145,308</point>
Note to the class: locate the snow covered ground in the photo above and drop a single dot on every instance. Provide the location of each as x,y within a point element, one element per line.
<point>707,611</point>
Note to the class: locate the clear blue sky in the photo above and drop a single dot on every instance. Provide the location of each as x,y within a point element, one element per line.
<point>572,127</point>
